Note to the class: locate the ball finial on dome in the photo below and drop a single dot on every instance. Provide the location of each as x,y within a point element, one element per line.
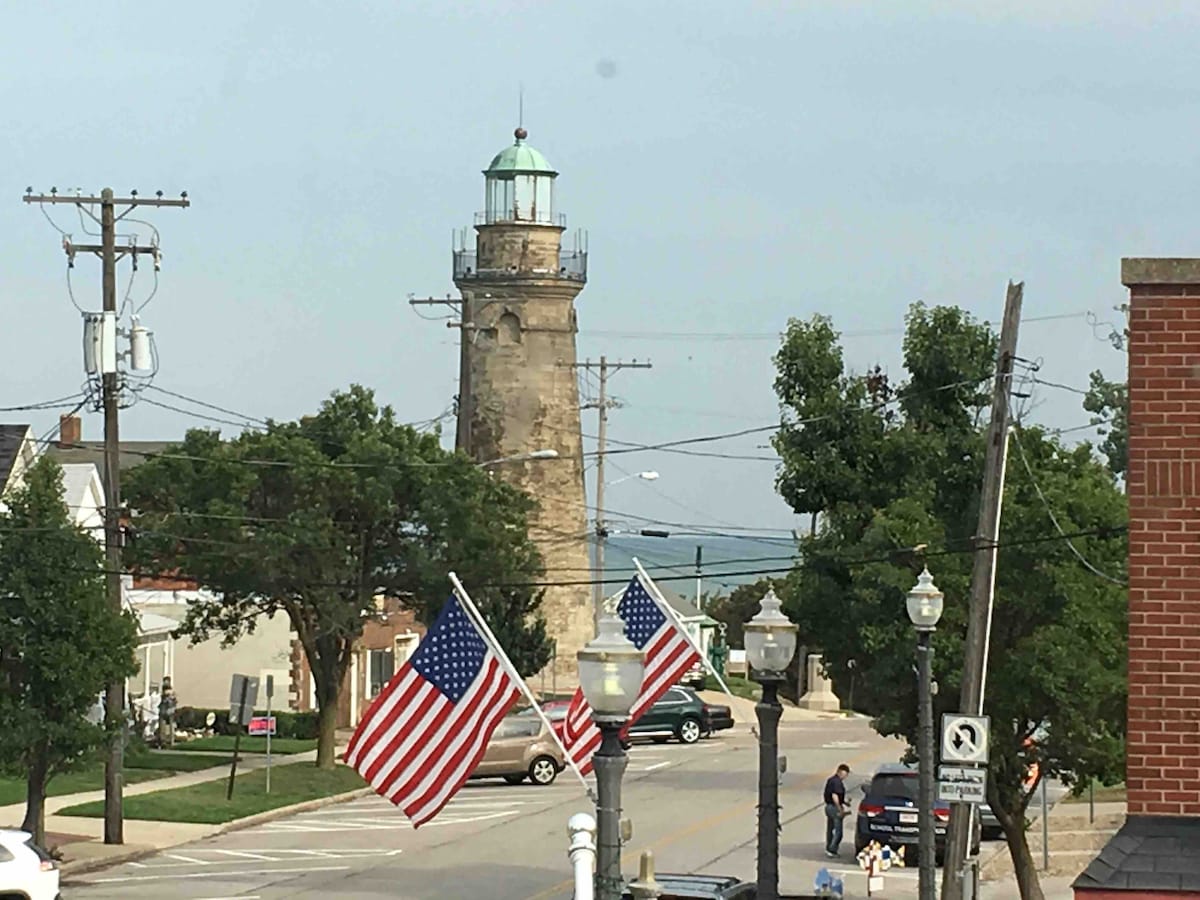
<point>520,134</point>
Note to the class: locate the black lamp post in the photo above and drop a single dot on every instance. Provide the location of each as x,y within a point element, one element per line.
<point>925,609</point>
<point>610,675</point>
<point>770,644</point>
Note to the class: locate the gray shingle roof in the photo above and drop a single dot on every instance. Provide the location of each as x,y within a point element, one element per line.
<point>11,438</point>
<point>132,453</point>
<point>1149,853</point>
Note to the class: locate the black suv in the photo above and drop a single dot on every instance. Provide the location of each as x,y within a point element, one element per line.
<point>888,813</point>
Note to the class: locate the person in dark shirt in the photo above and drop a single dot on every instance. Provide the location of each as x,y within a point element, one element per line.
<point>835,809</point>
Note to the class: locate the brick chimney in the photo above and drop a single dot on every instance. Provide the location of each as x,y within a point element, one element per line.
<point>1157,851</point>
<point>70,431</point>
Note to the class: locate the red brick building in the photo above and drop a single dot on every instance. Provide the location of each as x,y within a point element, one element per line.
<point>1157,852</point>
<point>388,640</point>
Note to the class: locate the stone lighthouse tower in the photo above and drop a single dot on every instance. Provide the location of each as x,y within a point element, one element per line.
<point>518,394</point>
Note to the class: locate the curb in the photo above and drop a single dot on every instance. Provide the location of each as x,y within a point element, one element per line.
<point>83,866</point>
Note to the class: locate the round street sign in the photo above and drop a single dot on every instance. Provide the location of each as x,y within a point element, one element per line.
<point>965,738</point>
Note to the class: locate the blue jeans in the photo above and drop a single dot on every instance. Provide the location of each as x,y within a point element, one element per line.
<point>833,828</point>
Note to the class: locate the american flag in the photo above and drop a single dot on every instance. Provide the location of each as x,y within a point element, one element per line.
<point>426,731</point>
<point>669,655</point>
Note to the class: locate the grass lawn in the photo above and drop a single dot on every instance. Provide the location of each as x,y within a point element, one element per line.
<point>140,765</point>
<point>739,685</point>
<point>1112,794</point>
<point>205,803</point>
<point>223,743</point>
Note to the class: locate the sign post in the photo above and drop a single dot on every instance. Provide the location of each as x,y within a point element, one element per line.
<point>270,727</point>
<point>243,693</point>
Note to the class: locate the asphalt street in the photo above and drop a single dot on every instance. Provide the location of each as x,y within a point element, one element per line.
<point>693,806</point>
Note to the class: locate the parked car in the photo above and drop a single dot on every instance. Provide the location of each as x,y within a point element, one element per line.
<point>521,747</point>
<point>26,870</point>
<point>554,710</point>
<point>888,813</point>
<point>680,713</point>
<point>696,677</point>
<point>700,887</point>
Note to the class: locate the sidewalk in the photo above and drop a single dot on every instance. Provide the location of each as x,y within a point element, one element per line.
<point>744,714</point>
<point>80,839</point>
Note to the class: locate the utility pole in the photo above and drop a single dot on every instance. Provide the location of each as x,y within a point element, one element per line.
<point>110,386</point>
<point>602,404</point>
<point>462,435</point>
<point>699,570</point>
<point>983,577</point>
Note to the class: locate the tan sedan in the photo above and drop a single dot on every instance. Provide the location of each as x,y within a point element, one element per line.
<point>521,747</point>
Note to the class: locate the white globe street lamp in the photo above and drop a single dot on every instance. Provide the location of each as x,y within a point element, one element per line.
<point>925,604</point>
<point>611,669</point>
<point>770,638</point>
<point>770,645</point>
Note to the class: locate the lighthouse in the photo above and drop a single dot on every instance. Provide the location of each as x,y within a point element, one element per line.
<point>518,409</point>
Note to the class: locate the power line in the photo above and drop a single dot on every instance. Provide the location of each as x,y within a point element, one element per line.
<point>890,557</point>
<point>56,403</point>
<point>1054,519</point>
<point>206,405</point>
<point>196,415</point>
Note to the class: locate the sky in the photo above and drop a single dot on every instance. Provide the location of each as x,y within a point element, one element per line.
<point>734,165</point>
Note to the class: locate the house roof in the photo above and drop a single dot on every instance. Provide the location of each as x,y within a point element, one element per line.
<point>1149,853</point>
<point>685,608</point>
<point>12,439</point>
<point>153,624</point>
<point>131,453</point>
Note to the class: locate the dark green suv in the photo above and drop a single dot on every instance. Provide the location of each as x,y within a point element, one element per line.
<point>682,714</point>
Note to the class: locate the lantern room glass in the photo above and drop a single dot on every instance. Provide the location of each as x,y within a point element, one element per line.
<point>520,197</point>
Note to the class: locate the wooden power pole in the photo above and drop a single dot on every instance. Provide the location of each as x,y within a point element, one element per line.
<point>110,387</point>
<point>983,577</point>
<point>602,404</point>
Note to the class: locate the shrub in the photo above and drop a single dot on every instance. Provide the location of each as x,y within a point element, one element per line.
<point>300,725</point>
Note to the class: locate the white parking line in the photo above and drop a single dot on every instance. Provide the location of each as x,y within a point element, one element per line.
<point>185,859</point>
<point>183,875</point>
<point>238,857</point>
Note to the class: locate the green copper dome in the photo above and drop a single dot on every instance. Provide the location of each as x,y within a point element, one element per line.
<point>519,159</point>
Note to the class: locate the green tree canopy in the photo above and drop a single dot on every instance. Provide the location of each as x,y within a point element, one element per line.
<point>909,477</point>
<point>60,644</point>
<point>316,518</point>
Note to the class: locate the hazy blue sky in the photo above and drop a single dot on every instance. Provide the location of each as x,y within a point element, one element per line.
<point>735,164</point>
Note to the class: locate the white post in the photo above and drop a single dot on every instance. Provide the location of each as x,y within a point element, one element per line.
<point>477,617</point>
<point>581,828</point>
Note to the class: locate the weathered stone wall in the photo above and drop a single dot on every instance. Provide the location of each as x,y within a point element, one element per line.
<point>522,396</point>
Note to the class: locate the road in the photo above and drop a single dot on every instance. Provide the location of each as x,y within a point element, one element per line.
<point>693,806</point>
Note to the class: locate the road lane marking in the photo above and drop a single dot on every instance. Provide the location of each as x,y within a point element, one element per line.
<point>657,766</point>
<point>246,854</point>
<point>183,875</point>
<point>186,859</point>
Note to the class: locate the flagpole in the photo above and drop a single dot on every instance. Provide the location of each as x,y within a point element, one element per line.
<point>675,617</point>
<point>477,616</point>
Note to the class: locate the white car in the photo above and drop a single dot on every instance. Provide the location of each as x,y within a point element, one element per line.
<point>26,870</point>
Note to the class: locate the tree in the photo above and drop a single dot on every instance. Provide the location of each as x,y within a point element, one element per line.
<point>1057,658</point>
<point>1109,401</point>
<point>60,644</point>
<point>314,519</point>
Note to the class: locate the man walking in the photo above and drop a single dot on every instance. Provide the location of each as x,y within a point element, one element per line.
<point>835,809</point>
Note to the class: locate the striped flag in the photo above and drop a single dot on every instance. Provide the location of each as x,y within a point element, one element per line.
<point>669,654</point>
<point>426,731</point>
